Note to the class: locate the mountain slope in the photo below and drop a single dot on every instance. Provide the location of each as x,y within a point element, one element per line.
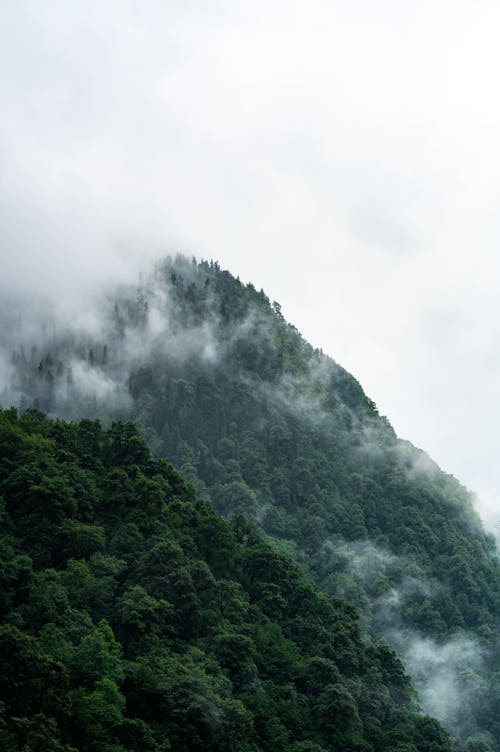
<point>135,618</point>
<point>264,425</point>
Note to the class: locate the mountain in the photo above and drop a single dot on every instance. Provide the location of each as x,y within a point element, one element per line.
<point>262,424</point>
<point>135,618</point>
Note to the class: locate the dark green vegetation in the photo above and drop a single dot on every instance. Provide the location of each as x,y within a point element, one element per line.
<point>135,618</point>
<point>265,426</point>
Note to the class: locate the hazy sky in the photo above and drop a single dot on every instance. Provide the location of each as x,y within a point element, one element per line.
<point>343,155</point>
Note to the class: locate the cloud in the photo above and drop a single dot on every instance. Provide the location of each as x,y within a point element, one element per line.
<point>90,390</point>
<point>450,673</point>
<point>342,156</point>
<point>449,678</point>
<point>77,360</point>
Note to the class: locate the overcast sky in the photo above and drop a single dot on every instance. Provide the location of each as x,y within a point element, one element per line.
<point>343,155</point>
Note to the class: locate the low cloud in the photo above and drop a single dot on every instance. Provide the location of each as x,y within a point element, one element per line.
<point>449,674</point>
<point>449,678</point>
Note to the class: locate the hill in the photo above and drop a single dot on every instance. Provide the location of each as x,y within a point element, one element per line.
<point>135,618</point>
<point>261,424</point>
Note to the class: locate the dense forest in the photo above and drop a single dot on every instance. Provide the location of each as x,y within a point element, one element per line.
<point>136,618</point>
<point>266,428</point>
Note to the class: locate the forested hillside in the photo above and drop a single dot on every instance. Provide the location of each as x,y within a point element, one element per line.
<point>135,618</point>
<point>263,425</point>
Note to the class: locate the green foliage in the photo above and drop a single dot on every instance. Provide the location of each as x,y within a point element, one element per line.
<point>272,429</point>
<point>135,618</point>
<point>266,429</point>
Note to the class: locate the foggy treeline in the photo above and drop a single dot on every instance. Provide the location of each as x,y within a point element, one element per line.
<point>262,425</point>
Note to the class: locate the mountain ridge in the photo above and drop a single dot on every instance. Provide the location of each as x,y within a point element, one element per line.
<point>262,423</point>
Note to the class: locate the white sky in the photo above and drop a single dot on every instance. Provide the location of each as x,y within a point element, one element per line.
<point>342,155</point>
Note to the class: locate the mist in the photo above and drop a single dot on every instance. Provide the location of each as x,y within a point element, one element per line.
<point>450,673</point>
<point>92,364</point>
<point>343,158</point>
